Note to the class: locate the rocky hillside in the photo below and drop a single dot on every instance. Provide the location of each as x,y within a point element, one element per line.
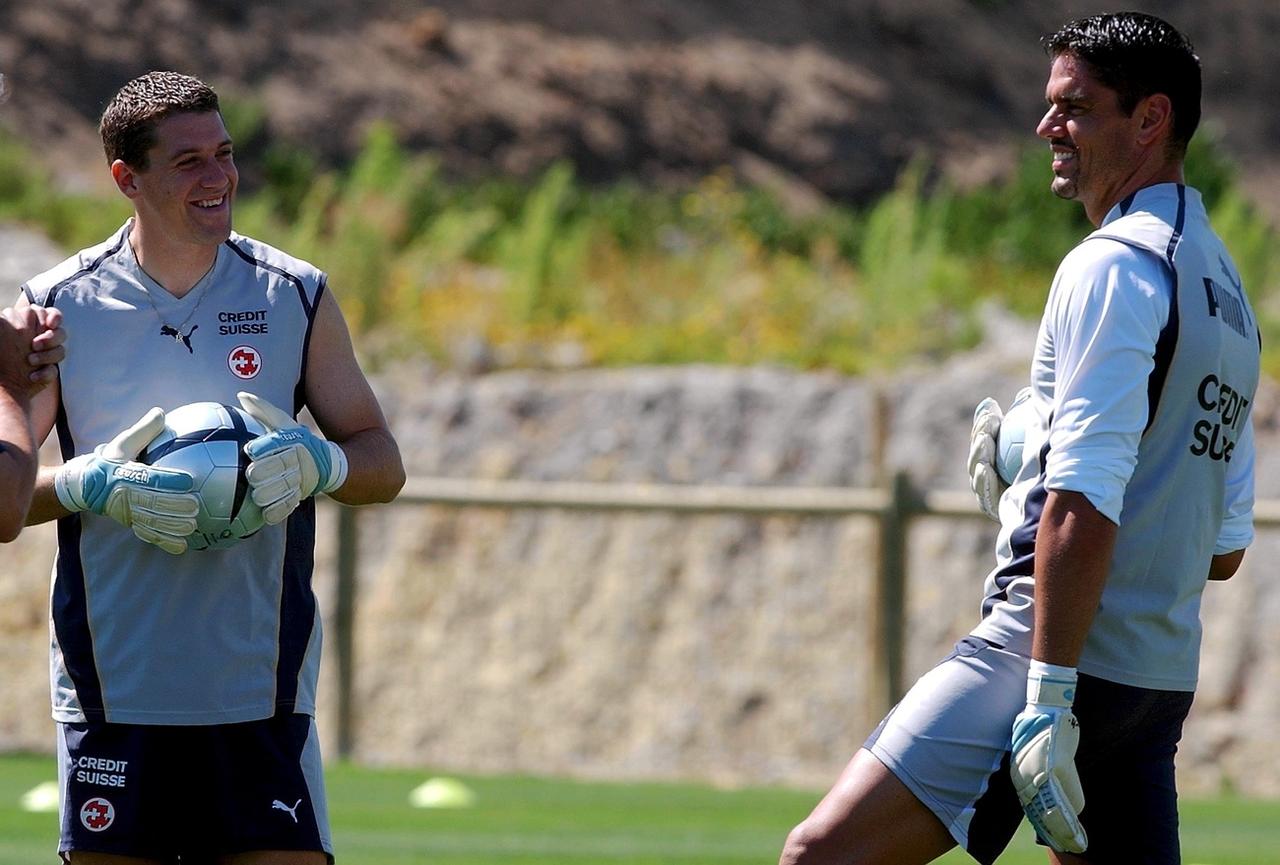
<point>813,97</point>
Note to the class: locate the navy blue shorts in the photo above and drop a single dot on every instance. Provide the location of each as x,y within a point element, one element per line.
<point>1128,738</point>
<point>191,794</point>
<point>948,742</point>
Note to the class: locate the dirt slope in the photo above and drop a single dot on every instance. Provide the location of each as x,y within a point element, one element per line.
<point>817,96</point>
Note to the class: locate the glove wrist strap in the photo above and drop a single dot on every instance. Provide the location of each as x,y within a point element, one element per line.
<point>337,468</point>
<point>62,486</point>
<point>1050,685</point>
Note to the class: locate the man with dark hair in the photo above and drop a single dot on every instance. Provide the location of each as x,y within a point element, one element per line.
<point>30,347</point>
<point>184,680</point>
<point>1067,701</point>
<point>1137,56</point>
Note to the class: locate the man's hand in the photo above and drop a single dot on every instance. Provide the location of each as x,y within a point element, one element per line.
<point>155,502</point>
<point>984,479</point>
<point>289,463</point>
<point>1043,769</point>
<point>47,349</point>
<point>32,337</point>
<point>19,329</point>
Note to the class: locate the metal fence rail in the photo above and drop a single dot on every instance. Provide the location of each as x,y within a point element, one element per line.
<point>894,506</point>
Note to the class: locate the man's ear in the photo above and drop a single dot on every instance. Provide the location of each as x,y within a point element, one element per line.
<point>1156,112</point>
<point>126,178</point>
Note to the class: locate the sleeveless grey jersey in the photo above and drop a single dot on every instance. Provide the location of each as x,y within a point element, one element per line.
<point>1144,372</point>
<point>212,636</point>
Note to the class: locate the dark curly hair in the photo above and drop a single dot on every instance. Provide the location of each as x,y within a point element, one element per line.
<point>1137,55</point>
<point>129,120</point>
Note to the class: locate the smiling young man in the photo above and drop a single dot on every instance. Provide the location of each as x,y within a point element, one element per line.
<point>184,681</point>
<point>1066,702</point>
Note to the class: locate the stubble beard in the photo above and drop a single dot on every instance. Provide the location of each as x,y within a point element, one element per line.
<point>1065,188</point>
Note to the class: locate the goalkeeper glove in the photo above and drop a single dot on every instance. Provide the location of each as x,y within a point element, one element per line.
<point>1043,768</point>
<point>289,463</point>
<point>984,479</point>
<point>157,503</point>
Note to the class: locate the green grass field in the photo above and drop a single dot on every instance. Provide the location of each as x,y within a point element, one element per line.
<point>534,821</point>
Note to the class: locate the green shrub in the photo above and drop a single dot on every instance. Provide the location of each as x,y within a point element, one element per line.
<point>718,272</point>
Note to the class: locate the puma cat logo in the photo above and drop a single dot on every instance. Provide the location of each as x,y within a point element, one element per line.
<point>179,336</point>
<point>277,805</point>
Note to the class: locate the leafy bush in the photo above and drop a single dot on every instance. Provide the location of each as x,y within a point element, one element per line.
<point>624,274</point>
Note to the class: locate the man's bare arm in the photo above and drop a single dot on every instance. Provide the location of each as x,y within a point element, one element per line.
<point>1074,543</point>
<point>34,340</point>
<point>347,412</point>
<point>1224,566</point>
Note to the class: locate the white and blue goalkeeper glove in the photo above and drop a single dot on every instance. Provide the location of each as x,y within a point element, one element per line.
<point>289,463</point>
<point>1043,767</point>
<point>157,503</point>
<point>984,479</point>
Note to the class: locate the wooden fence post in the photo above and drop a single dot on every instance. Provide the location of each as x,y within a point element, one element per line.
<point>344,625</point>
<point>890,596</point>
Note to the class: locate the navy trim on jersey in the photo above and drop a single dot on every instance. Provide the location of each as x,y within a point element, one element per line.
<point>279,271</point>
<point>297,601</point>
<point>69,606</point>
<point>1127,203</point>
<point>1167,342</point>
<point>1178,224</point>
<point>300,391</point>
<point>89,268</point>
<point>1166,345</point>
<point>1022,541</point>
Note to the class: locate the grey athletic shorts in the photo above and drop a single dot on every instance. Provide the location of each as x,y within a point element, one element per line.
<point>948,741</point>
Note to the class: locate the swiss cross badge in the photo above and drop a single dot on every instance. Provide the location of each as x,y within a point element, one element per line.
<point>244,361</point>
<point>97,814</point>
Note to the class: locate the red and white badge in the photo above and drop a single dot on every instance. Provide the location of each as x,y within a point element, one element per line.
<point>244,361</point>
<point>97,814</point>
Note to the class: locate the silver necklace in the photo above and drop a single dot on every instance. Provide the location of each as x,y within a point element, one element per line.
<point>178,332</point>
<point>167,329</point>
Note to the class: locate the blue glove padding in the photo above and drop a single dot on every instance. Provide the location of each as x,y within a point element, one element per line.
<point>289,463</point>
<point>1043,768</point>
<point>156,503</point>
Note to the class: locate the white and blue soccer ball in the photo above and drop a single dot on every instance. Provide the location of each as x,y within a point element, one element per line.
<point>206,440</point>
<point>1012,435</point>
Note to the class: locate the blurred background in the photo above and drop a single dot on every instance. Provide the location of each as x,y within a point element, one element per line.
<point>761,246</point>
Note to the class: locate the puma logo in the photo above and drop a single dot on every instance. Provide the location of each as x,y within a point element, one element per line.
<point>277,805</point>
<point>179,336</point>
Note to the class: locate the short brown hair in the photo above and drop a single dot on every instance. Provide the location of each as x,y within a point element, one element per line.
<point>129,120</point>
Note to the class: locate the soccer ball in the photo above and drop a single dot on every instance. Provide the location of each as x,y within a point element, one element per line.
<point>1013,432</point>
<point>206,440</point>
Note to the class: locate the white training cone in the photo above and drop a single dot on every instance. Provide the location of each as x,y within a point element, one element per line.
<point>41,799</point>
<point>442,793</point>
